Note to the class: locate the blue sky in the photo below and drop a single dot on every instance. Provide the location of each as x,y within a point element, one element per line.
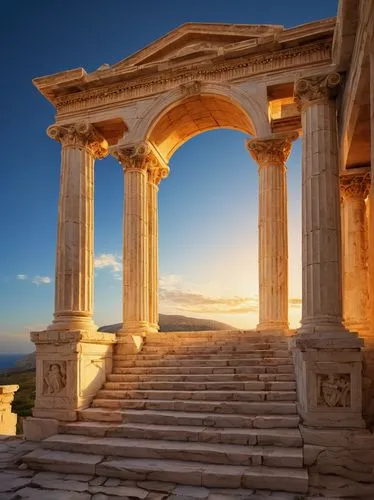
<point>208,205</point>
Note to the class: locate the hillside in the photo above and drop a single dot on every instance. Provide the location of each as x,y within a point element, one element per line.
<point>175,323</point>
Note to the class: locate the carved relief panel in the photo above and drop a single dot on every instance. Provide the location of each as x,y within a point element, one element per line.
<point>54,378</point>
<point>334,390</point>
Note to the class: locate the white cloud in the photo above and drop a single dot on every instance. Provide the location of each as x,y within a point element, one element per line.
<point>41,280</point>
<point>111,261</point>
<point>22,277</point>
<point>193,299</point>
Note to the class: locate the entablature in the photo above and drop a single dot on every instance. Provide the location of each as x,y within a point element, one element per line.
<point>259,50</point>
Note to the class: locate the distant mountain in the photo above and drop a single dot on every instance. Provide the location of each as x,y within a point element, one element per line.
<point>168,323</point>
<point>174,323</point>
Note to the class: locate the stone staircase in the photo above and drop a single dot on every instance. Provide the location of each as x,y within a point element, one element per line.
<point>216,409</point>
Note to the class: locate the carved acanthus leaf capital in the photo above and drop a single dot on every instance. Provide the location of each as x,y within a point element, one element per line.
<point>316,88</point>
<point>355,186</point>
<point>81,135</point>
<point>156,174</point>
<point>273,150</point>
<point>142,157</point>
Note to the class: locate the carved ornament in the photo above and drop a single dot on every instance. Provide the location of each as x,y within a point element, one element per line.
<point>80,135</point>
<point>316,88</point>
<point>141,157</point>
<point>156,174</point>
<point>334,390</point>
<point>160,81</point>
<point>54,377</point>
<point>191,88</point>
<point>272,151</point>
<point>355,186</point>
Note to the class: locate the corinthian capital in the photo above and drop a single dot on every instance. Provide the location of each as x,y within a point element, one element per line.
<point>156,174</point>
<point>315,88</point>
<point>273,150</point>
<point>80,135</point>
<point>355,186</point>
<point>142,156</point>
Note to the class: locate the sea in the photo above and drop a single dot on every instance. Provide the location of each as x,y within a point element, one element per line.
<point>9,360</point>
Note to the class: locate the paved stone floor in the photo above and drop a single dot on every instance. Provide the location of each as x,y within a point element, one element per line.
<point>17,482</point>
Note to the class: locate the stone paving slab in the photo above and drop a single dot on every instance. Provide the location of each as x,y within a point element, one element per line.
<point>18,483</point>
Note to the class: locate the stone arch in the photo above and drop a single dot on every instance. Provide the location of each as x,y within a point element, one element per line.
<point>194,108</point>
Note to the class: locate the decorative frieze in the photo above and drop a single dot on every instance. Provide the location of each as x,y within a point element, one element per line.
<point>140,87</point>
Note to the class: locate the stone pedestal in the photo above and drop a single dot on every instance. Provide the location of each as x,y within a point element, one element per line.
<point>354,190</point>
<point>328,358</point>
<point>329,379</point>
<point>271,154</point>
<point>8,420</point>
<point>70,369</point>
<point>81,144</point>
<point>142,167</point>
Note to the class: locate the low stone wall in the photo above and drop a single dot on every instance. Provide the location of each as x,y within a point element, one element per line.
<point>340,462</point>
<point>8,420</point>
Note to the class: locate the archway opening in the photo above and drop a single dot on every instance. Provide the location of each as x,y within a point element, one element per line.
<point>193,115</point>
<point>208,254</point>
<point>208,236</point>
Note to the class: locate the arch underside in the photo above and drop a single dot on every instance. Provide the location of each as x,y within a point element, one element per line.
<point>194,115</point>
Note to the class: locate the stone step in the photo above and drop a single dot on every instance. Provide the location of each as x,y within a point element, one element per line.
<point>207,377</point>
<point>252,437</point>
<point>222,348</point>
<point>204,395</point>
<point>204,369</point>
<point>213,362</point>
<point>190,418</point>
<point>215,453</point>
<point>201,386</point>
<point>250,408</point>
<point>250,355</point>
<point>180,472</point>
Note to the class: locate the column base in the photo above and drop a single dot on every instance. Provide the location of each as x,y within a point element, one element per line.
<point>71,321</point>
<point>71,366</point>
<point>273,327</point>
<point>328,371</point>
<point>137,328</point>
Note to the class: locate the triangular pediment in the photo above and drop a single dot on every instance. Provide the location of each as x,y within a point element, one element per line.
<point>197,40</point>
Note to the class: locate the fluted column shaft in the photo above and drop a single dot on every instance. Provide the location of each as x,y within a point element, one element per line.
<point>140,314</point>
<point>156,172</point>
<point>354,190</point>
<point>271,154</point>
<point>371,195</point>
<point>81,144</point>
<point>321,228</point>
<point>153,253</point>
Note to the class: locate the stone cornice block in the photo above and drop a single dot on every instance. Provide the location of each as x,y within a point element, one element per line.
<point>63,337</point>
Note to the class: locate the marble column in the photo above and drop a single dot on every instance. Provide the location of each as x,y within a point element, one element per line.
<point>271,154</point>
<point>327,357</point>
<point>156,173</point>
<point>139,258</point>
<point>354,190</point>
<point>371,193</point>
<point>81,144</point>
<point>321,254</point>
